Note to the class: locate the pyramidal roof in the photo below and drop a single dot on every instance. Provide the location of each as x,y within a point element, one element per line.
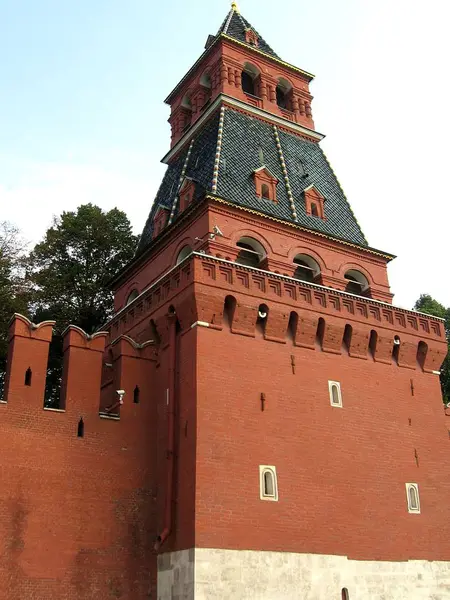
<point>235,26</point>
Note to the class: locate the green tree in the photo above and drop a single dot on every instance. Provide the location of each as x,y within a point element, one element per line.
<point>69,273</point>
<point>13,292</point>
<point>430,306</point>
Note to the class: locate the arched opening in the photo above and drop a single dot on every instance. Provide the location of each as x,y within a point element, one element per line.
<point>228,311</point>
<point>292,327</point>
<point>413,498</point>
<point>373,343</point>
<point>357,283</point>
<point>251,252</point>
<point>261,319</point>
<point>187,105</point>
<point>422,351</point>
<point>28,376</point>
<point>184,253</point>
<point>136,395</point>
<point>205,82</point>
<point>335,398</point>
<point>132,296</point>
<point>265,191</point>
<point>249,79</point>
<point>396,349</point>
<point>314,210</point>
<point>307,269</point>
<point>154,332</point>
<point>80,430</point>
<point>347,339</point>
<point>320,333</point>
<point>269,485</point>
<point>345,595</point>
<point>283,92</point>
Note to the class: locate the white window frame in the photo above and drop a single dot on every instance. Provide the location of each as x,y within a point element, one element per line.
<point>262,470</point>
<point>413,510</point>
<point>330,390</point>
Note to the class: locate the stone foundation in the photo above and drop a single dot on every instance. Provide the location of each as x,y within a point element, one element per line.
<point>209,574</point>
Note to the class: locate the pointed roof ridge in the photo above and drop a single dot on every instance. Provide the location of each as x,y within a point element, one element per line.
<point>235,26</point>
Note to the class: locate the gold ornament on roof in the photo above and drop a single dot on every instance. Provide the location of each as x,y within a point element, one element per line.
<point>234,6</point>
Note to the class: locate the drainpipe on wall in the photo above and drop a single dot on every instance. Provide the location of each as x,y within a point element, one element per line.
<point>170,400</point>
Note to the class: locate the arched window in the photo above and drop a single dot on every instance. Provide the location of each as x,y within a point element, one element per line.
<point>373,343</point>
<point>184,253</point>
<point>357,283</point>
<point>80,430</point>
<point>265,192</point>
<point>205,82</point>
<point>228,311</point>
<point>422,351</point>
<point>261,320</point>
<point>334,388</point>
<point>412,494</point>
<point>283,92</point>
<point>132,296</point>
<point>268,483</point>
<point>248,84</point>
<point>187,106</point>
<point>251,252</point>
<point>249,80</point>
<point>345,595</point>
<point>306,269</point>
<point>136,395</point>
<point>28,375</point>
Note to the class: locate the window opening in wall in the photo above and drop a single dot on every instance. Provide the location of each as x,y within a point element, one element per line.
<point>132,296</point>
<point>265,192</point>
<point>268,483</point>
<point>422,351</point>
<point>80,432</point>
<point>28,376</point>
<point>292,326</point>
<point>184,253</point>
<point>248,84</point>
<point>373,343</point>
<point>345,595</point>
<point>412,495</point>
<point>136,395</point>
<point>263,312</point>
<point>251,252</point>
<point>228,311</point>
<point>335,393</point>
<point>281,97</point>
<point>347,339</point>
<point>357,283</point>
<point>320,333</point>
<point>306,269</point>
<point>396,349</point>
<point>314,210</point>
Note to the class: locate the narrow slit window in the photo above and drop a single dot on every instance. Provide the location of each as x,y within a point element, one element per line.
<point>345,595</point>
<point>136,395</point>
<point>265,192</point>
<point>412,495</point>
<point>335,393</point>
<point>28,376</point>
<point>80,432</point>
<point>268,483</point>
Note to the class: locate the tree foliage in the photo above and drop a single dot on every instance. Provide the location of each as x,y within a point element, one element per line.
<point>430,306</point>
<point>69,272</point>
<point>13,292</point>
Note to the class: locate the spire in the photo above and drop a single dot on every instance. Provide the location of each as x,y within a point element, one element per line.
<point>237,27</point>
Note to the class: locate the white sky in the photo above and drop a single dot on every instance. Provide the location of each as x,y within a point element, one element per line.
<point>83,118</point>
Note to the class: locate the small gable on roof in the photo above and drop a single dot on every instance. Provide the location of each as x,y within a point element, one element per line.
<point>186,192</point>
<point>314,202</point>
<point>160,220</point>
<point>265,183</point>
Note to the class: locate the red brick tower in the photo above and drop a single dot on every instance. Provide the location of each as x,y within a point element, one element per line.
<point>307,448</point>
<point>282,433</point>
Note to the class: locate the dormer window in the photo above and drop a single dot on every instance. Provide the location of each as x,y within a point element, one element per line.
<point>265,184</point>
<point>314,202</point>
<point>186,193</point>
<point>160,221</point>
<point>251,37</point>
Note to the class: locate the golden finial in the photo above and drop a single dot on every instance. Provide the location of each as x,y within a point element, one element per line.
<point>234,6</point>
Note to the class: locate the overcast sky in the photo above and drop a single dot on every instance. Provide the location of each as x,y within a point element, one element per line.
<point>82,117</point>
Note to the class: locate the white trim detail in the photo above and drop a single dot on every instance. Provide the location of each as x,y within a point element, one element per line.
<point>436,372</point>
<point>199,324</point>
<point>412,489</point>
<point>265,493</point>
<point>335,385</point>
